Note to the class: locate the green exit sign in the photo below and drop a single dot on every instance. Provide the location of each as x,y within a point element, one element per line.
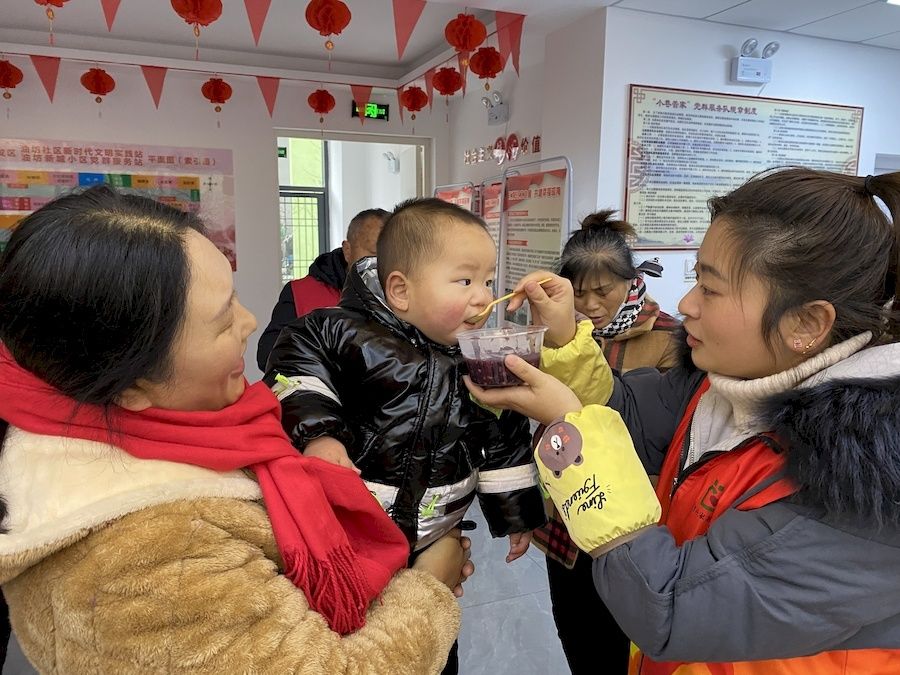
<point>373,111</point>
<point>282,152</point>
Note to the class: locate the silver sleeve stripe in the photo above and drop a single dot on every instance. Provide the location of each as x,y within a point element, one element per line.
<point>507,480</point>
<point>285,386</point>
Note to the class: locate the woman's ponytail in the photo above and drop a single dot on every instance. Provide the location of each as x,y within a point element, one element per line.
<point>887,188</point>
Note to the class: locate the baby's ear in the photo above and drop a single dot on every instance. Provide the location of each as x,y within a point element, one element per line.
<point>396,291</point>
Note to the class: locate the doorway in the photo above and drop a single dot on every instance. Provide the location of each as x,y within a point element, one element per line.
<point>325,181</point>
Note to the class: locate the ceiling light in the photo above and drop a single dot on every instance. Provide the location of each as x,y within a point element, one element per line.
<point>893,2</point>
<point>486,102</point>
<point>496,97</point>
<point>750,44</point>
<point>770,49</point>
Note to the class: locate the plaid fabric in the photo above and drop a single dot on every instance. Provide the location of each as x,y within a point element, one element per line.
<point>553,539</point>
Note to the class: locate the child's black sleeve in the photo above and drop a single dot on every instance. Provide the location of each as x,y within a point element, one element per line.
<point>507,481</point>
<point>304,373</point>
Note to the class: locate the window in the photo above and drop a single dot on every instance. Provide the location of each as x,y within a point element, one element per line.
<point>302,177</point>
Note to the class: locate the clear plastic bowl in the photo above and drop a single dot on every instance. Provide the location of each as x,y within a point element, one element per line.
<point>485,349</point>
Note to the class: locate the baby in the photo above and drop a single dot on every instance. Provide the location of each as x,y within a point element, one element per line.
<point>375,384</point>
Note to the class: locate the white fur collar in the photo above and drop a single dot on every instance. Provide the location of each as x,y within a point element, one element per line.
<point>727,413</point>
<point>55,487</point>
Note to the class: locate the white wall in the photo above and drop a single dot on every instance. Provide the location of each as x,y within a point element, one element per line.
<point>468,117</point>
<point>660,50</point>
<point>185,118</point>
<point>573,96</point>
<point>578,98</point>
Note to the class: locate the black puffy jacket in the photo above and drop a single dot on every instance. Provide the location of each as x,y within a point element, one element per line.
<point>398,403</point>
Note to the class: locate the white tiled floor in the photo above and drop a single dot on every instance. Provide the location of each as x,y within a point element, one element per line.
<point>507,626</point>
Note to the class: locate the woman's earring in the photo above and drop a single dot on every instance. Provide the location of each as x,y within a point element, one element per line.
<point>808,347</point>
<point>797,344</point>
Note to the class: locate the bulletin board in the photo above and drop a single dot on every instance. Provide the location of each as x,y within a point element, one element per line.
<point>35,171</point>
<point>685,146</point>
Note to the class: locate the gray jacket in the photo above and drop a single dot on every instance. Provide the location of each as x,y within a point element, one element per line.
<point>818,571</point>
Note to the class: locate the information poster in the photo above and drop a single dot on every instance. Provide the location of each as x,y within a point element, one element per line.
<point>491,206</point>
<point>686,146</point>
<point>461,195</point>
<point>534,206</point>
<point>33,172</point>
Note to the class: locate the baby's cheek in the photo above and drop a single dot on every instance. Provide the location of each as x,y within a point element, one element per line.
<point>453,314</point>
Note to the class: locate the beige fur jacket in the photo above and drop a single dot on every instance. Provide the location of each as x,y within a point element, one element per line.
<point>113,564</point>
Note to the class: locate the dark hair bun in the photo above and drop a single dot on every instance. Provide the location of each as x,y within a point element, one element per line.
<point>603,220</point>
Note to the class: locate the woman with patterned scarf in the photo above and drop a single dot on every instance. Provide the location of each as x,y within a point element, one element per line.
<point>633,333</point>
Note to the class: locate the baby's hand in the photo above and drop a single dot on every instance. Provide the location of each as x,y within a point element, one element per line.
<point>331,450</point>
<point>518,544</point>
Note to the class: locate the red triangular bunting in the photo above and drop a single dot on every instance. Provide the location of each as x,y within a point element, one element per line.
<point>400,103</point>
<point>509,36</point>
<point>155,76</point>
<point>361,94</point>
<point>257,10</point>
<point>406,16</point>
<point>269,88</point>
<point>47,68</point>
<point>110,7</point>
<point>463,60</point>
<point>429,87</point>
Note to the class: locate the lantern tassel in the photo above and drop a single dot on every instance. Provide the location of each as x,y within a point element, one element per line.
<point>196,42</point>
<point>50,20</point>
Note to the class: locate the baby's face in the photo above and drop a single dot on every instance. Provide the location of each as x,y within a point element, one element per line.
<point>456,285</point>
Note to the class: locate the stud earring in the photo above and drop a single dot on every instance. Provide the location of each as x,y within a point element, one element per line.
<point>809,346</point>
<point>797,344</point>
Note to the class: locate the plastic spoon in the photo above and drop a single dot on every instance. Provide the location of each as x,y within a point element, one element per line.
<point>487,310</point>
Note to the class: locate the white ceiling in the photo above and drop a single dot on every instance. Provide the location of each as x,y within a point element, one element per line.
<point>367,47</point>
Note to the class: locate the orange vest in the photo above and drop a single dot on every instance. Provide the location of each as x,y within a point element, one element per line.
<point>747,477</point>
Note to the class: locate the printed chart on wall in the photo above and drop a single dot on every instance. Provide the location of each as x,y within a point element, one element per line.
<point>686,146</point>
<point>534,231</point>
<point>462,195</point>
<point>33,172</point>
<point>491,203</point>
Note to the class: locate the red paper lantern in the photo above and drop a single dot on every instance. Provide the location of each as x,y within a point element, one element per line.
<point>217,91</point>
<point>329,17</point>
<point>322,103</point>
<point>413,99</point>
<point>50,4</point>
<point>486,63</point>
<point>447,81</point>
<point>10,78</point>
<point>198,13</point>
<point>98,82</point>
<point>465,33</point>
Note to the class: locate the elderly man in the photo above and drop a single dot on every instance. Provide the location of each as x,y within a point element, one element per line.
<point>322,286</point>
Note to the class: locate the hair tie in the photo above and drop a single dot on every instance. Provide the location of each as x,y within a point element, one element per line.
<point>867,185</point>
<point>651,268</point>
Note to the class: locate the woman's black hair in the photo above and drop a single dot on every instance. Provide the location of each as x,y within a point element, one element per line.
<point>598,248</point>
<point>815,235</point>
<point>93,288</point>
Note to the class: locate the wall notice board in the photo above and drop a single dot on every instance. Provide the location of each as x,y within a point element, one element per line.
<point>686,146</point>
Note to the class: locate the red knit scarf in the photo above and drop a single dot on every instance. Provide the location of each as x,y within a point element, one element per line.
<point>337,543</point>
